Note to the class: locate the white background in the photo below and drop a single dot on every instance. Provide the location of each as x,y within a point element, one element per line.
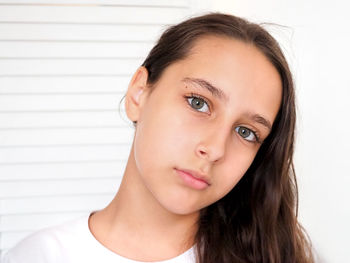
<point>63,71</point>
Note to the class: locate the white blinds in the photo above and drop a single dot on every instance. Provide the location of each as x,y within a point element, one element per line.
<point>64,66</point>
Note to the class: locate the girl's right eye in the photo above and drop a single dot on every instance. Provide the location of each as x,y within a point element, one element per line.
<point>198,103</point>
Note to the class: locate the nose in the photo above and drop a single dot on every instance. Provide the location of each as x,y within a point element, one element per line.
<point>213,146</point>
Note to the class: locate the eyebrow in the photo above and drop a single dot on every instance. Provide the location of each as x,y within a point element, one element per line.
<point>259,119</point>
<point>218,93</point>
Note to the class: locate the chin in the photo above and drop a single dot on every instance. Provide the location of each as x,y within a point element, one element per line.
<point>179,207</point>
<point>182,210</point>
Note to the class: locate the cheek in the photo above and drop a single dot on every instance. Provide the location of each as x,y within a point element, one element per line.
<point>234,168</point>
<point>161,137</point>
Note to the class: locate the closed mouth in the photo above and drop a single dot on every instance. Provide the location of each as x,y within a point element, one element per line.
<point>197,175</point>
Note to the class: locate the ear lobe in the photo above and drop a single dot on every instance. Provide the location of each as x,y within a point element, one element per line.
<point>136,94</point>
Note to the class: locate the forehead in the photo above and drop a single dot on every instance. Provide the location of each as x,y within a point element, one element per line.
<point>240,70</point>
<point>236,59</point>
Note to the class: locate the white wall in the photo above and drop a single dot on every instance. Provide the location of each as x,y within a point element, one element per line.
<point>317,43</point>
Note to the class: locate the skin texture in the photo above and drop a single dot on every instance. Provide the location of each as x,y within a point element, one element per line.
<point>153,216</point>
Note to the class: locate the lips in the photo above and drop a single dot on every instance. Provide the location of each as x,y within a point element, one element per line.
<point>193,179</point>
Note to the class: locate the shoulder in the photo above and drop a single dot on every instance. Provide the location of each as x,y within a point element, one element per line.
<point>50,244</point>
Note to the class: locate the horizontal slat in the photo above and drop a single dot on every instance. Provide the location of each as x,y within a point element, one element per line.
<point>65,136</point>
<point>65,50</point>
<point>61,163</point>
<point>63,85</point>
<point>50,204</point>
<point>79,33</point>
<point>60,102</point>
<point>38,221</point>
<point>61,171</point>
<point>68,66</point>
<point>58,187</point>
<point>51,120</point>
<point>91,14</point>
<point>178,3</point>
<point>64,154</point>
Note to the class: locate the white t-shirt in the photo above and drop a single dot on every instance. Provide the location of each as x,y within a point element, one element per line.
<point>72,242</point>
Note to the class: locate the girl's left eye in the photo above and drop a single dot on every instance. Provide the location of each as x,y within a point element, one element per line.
<point>198,103</point>
<point>246,134</point>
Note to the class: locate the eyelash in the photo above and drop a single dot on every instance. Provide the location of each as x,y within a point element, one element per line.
<point>196,96</point>
<point>255,133</point>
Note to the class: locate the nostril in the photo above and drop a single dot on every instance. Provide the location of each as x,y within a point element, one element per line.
<point>202,152</point>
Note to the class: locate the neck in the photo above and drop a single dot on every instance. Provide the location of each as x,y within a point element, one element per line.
<point>137,226</point>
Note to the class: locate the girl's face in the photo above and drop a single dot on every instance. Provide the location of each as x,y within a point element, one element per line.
<point>208,114</point>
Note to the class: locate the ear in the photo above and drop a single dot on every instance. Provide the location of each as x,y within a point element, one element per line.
<point>137,94</point>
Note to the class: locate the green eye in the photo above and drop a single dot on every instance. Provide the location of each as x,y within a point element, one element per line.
<point>246,133</point>
<point>198,103</point>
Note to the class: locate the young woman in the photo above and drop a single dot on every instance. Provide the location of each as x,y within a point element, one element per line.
<point>210,175</point>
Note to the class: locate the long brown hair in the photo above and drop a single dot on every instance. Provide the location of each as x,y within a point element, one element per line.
<point>257,220</point>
